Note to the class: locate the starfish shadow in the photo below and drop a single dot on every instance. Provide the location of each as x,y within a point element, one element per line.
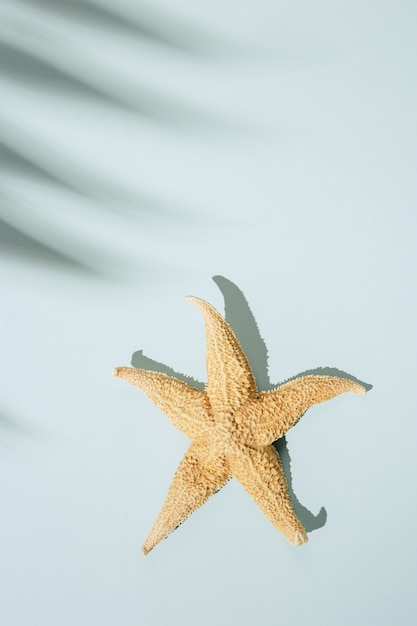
<point>143,362</point>
<point>242,321</point>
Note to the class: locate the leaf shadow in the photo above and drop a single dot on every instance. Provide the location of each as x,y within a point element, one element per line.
<point>44,74</point>
<point>11,424</point>
<point>15,242</point>
<point>73,73</point>
<point>24,156</point>
<point>159,27</point>
<point>14,429</point>
<point>37,58</point>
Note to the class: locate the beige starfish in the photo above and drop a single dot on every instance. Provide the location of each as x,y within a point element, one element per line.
<point>232,427</point>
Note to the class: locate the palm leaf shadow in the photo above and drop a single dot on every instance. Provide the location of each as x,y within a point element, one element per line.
<point>80,77</point>
<point>44,74</point>
<point>18,162</point>
<point>22,155</point>
<point>24,158</point>
<point>11,424</point>
<point>15,242</point>
<point>157,27</point>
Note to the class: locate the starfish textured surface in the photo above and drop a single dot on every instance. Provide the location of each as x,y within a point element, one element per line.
<point>232,428</point>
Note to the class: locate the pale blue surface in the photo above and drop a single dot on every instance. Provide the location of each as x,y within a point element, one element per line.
<point>143,151</point>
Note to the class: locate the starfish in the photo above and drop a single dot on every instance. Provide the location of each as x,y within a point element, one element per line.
<point>232,428</point>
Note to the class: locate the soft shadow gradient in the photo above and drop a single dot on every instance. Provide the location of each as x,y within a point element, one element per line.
<point>139,21</point>
<point>14,429</point>
<point>15,242</point>
<point>25,60</point>
<point>40,56</point>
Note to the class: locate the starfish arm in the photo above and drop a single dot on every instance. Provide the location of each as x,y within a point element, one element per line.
<point>260,473</point>
<point>274,412</point>
<point>196,479</point>
<point>230,378</point>
<point>187,408</point>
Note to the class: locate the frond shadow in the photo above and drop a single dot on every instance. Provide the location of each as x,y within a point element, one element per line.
<point>51,166</point>
<point>14,161</point>
<point>140,22</point>
<point>69,72</point>
<point>28,61</point>
<point>44,74</point>
<point>15,242</point>
<point>12,427</point>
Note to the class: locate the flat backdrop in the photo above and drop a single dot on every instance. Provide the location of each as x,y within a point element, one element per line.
<point>261,156</point>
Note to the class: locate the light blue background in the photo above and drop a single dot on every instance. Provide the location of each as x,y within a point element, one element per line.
<point>145,149</point>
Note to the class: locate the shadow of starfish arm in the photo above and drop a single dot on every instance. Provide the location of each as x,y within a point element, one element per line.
<point>187,408</point>
<point>194,482</point>
<point>141,361</point>
<point>261,474</point>
<point>331,371</point>
<point>230,378</point>
<point>241,319</point>
<point>276,411</point>
<point>307,518</point>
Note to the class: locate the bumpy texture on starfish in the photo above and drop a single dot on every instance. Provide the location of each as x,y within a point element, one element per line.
<point>232,427</point>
